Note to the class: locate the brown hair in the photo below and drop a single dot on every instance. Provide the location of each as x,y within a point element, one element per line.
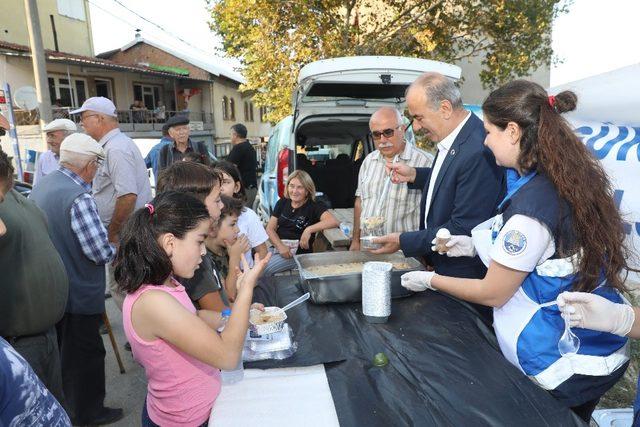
<point>549,145</point>
<point>232,170</point>
<point>188,177</point>
<point>306,181</point>
<point>232,206</point>
<point>6,171</point>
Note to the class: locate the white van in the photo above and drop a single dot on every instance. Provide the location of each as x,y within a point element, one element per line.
<point>328,133</point>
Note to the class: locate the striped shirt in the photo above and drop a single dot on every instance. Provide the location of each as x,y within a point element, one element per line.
<point>402,207</point>
<point>87,226</point>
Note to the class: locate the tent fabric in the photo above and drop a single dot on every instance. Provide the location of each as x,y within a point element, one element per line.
<point>445,367</point>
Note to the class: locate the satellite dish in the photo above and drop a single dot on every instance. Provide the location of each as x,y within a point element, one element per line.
<point>26,98</point>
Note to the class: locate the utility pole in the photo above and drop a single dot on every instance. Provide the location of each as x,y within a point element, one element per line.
<point>38,61</point>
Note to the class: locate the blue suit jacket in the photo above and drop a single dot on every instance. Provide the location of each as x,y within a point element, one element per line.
<point>467,191</point>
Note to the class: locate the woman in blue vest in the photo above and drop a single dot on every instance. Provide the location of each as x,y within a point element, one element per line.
<point>556,230</point>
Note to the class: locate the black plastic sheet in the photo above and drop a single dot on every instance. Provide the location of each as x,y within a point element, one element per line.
<point>445,367</point>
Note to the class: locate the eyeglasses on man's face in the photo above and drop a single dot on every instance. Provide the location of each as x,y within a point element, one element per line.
<point>387,133</point>
<point>84,118</point>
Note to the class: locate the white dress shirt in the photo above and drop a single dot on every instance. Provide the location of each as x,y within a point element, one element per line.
<point>443,148</point>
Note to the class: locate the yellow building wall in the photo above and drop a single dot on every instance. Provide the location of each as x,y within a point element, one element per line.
<point>255,129</point>
<point>74,36</point>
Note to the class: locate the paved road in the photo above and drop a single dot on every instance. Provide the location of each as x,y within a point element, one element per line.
<point>127,390</point>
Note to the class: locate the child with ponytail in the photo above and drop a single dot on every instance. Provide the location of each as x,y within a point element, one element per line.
<point>159,242</point>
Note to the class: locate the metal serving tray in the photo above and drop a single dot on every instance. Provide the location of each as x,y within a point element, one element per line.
<point>347,287</point>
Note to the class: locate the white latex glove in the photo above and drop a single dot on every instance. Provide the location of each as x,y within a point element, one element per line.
<point>417,281</point>
<point>591,311</point>
<point>457,246</point>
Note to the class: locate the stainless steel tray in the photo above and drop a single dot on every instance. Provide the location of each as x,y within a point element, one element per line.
<point>347,287</point>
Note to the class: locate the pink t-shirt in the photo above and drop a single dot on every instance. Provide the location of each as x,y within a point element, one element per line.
<point>181,389</point>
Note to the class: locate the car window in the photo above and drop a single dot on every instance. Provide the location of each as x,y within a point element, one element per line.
<point>325,152</point>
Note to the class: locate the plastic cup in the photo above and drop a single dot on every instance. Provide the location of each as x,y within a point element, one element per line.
<point>292,245</point>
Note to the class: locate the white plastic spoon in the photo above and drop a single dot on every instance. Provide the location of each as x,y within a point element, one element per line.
<point>295,302</point>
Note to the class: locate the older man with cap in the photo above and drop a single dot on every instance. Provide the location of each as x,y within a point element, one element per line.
<point>56,131</point>
<point>121,184</point>
<point>81,240</point>
<point>178,129</point>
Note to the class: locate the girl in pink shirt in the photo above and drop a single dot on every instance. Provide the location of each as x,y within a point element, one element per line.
<point>177,345</point>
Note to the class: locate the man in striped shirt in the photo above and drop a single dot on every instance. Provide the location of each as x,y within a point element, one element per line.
<point>399,205</point>
<point>81,240</point>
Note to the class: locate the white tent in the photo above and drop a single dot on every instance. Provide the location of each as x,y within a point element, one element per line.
<point>609,97</point>
<point>608,120</point>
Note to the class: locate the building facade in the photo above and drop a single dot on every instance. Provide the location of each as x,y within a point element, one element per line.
<point>146,81</point>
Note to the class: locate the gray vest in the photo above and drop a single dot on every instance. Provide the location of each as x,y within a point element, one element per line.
<point>55,195</point>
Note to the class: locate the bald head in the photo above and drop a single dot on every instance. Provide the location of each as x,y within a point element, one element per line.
<point>386,113</point>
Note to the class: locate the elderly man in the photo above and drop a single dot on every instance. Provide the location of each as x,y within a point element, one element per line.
<point>463,187</point>
<point>34,284</point>
<point>121,184</point>
<point>400,204</point>
<point>81,240</point>
<point>178,130</point>
<point>243,155</point>
<point>56,131</point>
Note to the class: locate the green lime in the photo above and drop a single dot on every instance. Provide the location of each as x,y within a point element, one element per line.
<point>380,360</point>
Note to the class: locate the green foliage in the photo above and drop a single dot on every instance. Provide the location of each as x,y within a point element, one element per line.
<point>275,38</point>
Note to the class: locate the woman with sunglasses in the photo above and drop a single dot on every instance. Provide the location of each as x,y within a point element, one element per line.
<point>297,216</point>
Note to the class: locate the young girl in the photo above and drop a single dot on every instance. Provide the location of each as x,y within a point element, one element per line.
<point>297,216</point>
<point>557,229</point>
<point>163,240</point>
<point>249,223</point>
<point>199,181</point>
<point>228,246</point>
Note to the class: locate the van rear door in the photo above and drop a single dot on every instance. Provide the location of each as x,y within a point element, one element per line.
<point>360,84</point>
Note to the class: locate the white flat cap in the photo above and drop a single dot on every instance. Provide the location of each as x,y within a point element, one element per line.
<point>82,144</point>
<point>61,124</point>
<point>98,104</point>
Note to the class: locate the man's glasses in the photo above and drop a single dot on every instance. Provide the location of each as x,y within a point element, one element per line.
<point>84,118</point>
<point>388,133</point>
<point>98,161</point>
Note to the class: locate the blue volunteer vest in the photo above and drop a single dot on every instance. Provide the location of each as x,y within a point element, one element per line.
<point>55,195</point>
<point>528,333</point>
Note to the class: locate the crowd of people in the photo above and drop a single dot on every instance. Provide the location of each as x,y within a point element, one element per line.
<point>517,192</point>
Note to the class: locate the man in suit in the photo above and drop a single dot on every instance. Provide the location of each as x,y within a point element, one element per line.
<point>460,190</point>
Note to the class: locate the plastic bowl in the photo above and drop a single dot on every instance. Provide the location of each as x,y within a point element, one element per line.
<point>292,245</point>
<point>270,327</point>
<point>366,243</point>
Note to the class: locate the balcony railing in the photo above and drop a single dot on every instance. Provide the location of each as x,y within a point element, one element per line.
<point>130,120</point>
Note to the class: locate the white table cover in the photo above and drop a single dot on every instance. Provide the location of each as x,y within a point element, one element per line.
<point>276,397</point>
